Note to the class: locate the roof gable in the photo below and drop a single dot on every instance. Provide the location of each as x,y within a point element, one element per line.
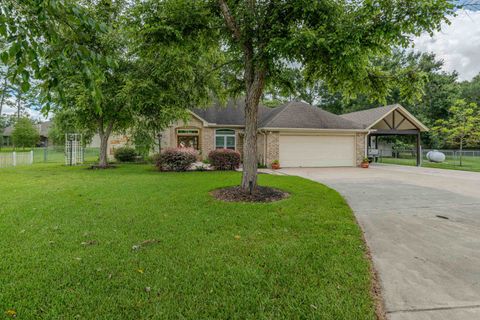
<point>384,118</point>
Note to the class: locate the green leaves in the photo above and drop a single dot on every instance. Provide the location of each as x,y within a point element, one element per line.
<point>44,37</point>
<point>462,127</point>
<point>4,57</point>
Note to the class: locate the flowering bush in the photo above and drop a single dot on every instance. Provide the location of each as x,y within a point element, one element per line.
<point>224,159</point>
<point>176,159</point>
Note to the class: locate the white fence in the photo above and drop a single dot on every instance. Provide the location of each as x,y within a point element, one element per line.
<point>13,159</point>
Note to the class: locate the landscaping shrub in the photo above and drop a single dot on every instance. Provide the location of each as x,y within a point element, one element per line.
<point>125,154</point>
<point>224,159</point>
<point>176,159</point>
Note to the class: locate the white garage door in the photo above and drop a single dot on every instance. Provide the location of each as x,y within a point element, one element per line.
<point>317,151</point>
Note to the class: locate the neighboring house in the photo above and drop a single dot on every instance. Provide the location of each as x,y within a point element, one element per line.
<point>42,127</point>
<point>297,134</point>
<point>7,137</point>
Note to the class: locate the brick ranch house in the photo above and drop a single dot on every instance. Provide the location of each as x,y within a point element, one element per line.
<point>297,134</point>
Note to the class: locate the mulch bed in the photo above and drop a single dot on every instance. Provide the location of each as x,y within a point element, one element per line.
<point>97,167</point>
<point>260,194</point>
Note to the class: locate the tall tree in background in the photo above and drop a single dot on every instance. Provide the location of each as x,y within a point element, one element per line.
<point>470,90</point>
<point>336,42</point>
<point>462,127</point>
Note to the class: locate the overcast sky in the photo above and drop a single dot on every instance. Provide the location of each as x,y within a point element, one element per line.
<point>34,114</point>
<point>458,44</point>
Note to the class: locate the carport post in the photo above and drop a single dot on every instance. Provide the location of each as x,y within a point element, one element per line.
<point>419,150</point>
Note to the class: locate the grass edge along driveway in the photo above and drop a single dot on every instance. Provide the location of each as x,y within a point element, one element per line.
<point>133,243</point>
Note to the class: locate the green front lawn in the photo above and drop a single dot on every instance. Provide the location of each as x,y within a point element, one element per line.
<point>468,163</point>
<point>133,243</point>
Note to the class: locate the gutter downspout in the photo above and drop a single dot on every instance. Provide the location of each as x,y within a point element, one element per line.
<point>264,155</point>
<point>265,150</point>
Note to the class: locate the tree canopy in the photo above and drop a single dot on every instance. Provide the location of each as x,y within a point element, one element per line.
<point>462,127</point>
<point>25,134</point>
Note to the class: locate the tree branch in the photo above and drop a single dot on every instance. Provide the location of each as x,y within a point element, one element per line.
<point>229,19</point>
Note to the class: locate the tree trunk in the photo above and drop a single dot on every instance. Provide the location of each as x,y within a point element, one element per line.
<point>254,76</point>
<point>250,161</point>
<point>103,159</point>
<point>104,136</point>
<point>4,90</point>
<point>19,104</point>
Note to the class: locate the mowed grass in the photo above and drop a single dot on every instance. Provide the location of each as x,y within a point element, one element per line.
<point>133,243</point>
<point>468,163</point>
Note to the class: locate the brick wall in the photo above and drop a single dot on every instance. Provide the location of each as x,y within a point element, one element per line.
<point>360,147</point>
<point>273,150</point>
<point>208,141</point>
<point>239,139</point>
<point>116,141</point>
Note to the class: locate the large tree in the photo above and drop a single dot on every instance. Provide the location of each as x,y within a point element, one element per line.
<point>461,128</point>
<point>334,41</point>
<point>101,107</point>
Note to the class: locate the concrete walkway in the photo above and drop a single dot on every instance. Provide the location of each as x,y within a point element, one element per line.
<point>423,228</point>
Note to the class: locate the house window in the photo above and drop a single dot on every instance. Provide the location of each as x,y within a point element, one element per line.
<point>187,132</point>
<point>188,138</point>
<point>225,139</point>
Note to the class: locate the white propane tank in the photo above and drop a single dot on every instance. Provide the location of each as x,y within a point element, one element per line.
<point>436,156</point>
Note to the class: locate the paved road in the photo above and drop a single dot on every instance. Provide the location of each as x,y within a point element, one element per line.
<point>423,228</point>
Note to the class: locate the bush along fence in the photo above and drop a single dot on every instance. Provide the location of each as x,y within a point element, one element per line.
<point>14,158</point>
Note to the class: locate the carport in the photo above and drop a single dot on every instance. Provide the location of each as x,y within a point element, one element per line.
<point>392,120</point>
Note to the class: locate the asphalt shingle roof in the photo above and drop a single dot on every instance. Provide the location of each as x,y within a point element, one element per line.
<point>298,114</point>
<point>291,115</point>
<point>368,117</point>
<point>233,113</point>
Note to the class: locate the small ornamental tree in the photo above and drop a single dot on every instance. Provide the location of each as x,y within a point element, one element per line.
<point>25,134</point>
<point>462,128</point>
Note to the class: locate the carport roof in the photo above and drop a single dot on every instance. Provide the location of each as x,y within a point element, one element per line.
<point>368,118</point>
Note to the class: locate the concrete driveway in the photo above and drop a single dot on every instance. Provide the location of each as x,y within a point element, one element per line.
<point>423,228</point>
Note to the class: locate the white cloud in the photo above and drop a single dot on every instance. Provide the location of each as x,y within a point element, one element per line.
<point>34,114</point>
<point>458,44</point>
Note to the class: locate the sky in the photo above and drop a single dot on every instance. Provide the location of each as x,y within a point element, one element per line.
<point>457,44</point>
<point>34,114</point>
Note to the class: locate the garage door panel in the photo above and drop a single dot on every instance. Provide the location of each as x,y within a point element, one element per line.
<point>317,151</point>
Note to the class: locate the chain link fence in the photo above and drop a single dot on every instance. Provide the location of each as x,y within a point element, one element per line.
<point>52,154</point>
<point>470,159</point>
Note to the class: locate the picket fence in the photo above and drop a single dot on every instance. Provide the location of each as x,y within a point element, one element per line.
<point>13,159</point>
